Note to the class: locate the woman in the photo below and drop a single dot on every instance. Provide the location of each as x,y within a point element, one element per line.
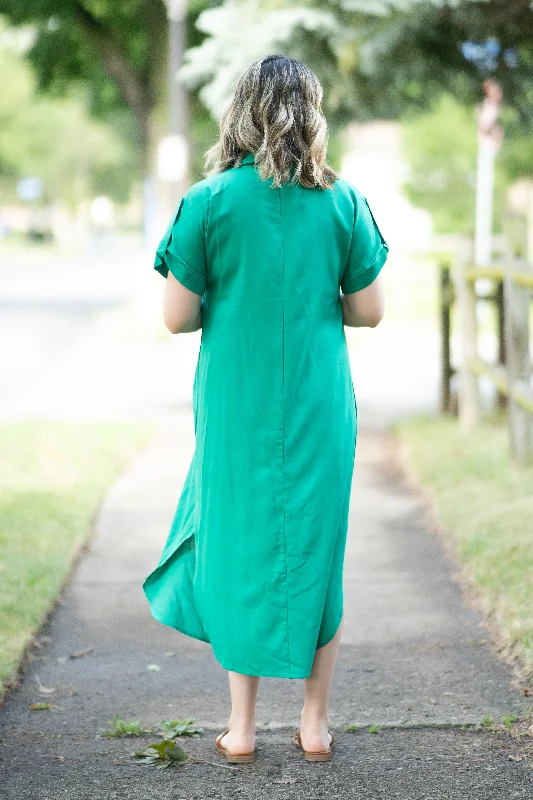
<point>254,256</point>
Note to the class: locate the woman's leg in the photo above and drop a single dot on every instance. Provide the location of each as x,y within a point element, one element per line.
<point>243,689</point>
<point>314,716</point>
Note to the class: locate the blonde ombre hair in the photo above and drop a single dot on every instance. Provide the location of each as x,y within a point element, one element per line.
<point>276,114</point>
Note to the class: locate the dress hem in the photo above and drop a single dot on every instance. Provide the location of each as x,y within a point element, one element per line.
<point>181,630</point>
<point>226,664</point>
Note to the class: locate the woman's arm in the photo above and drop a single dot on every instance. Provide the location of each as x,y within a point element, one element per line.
<point>365,308</point>
<point>181,307</point>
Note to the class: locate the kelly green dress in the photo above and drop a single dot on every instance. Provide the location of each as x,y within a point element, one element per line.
<point>254,559</point>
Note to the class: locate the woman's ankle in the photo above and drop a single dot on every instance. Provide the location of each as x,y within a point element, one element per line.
<point>314,717</point>
<point>242,725</point>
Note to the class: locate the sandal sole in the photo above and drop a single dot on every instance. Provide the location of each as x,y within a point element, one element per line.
<point>233,758</point>
<point>319,755</point>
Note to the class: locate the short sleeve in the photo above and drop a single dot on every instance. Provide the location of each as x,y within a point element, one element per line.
<point>182,248</point>
<point>368,249</point>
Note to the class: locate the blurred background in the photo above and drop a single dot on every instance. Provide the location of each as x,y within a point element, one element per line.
<point>106,113</point>
<point>106,110</point>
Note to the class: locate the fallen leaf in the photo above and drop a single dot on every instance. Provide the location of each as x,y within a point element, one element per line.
<point>41,641</point>
<point>44,689</point>
<point>161,755</point>
<point>81,653</point>
<point>153,667</point>
<point>40,707</point>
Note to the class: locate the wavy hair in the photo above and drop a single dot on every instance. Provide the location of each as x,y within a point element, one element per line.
<point>276,114</point>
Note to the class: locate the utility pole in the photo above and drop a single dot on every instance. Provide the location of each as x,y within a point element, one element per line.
<point>490,134</point>
<point>173,153</point>
<point>176,92</point>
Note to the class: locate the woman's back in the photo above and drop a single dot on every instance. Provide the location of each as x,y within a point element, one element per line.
<point>248,241</point>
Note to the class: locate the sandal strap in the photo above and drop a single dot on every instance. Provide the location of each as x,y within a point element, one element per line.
<point>298,740</point>
<point>221,735</point>
<point>225,749</point>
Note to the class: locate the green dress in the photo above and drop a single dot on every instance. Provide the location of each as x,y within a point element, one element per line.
<point>253,562</point>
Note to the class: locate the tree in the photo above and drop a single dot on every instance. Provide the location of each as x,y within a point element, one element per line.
<point>375,58</point>
<point>103,45</point>
<point>440,148</point>
<point>56,141</point>
<point>116,49</point>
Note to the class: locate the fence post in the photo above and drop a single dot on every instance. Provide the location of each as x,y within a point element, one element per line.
<point>469,399</point>
<point>520,421</point>
<point>502,398</point>
<point>445,303</point>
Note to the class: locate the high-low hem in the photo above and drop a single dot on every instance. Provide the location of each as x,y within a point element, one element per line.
<point>230,665</point>
<point>263,674</point>
<point>181,630</point>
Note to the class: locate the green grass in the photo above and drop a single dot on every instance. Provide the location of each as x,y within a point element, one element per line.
<point>485,502</point>
<point>169,728</point>
<point>53,476</point>
<point>509,719</point>
<point>172,728</point>
<point>120,727</point>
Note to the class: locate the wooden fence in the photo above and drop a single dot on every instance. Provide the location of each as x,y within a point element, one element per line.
<point>512,283</point>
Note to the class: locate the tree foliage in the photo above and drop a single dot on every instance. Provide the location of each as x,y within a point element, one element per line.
<point>440,148</point>
<point>115,49</point>
<point>57,141</point>
<point>375,58</point>
<point>109,45</point>
<point>419,61</point>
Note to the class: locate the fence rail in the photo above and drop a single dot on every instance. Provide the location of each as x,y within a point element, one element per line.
<point>496,272</point>
<point>512,277</point>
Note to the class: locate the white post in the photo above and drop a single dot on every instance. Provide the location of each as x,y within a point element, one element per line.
<point>484,202</point>
<point>465,292</point>
<point>489,140</point>
<point>529,246</point>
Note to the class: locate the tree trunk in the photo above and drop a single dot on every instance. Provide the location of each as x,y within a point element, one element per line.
<point>144,92</point>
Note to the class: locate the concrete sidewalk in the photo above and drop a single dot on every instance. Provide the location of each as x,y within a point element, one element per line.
<point>414,658</point>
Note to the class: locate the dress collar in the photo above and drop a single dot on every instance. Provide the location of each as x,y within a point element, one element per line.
<point>249,158</point>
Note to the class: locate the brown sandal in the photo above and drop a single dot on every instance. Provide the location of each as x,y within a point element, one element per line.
<point>233,758</point>
<point>317,755</point>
